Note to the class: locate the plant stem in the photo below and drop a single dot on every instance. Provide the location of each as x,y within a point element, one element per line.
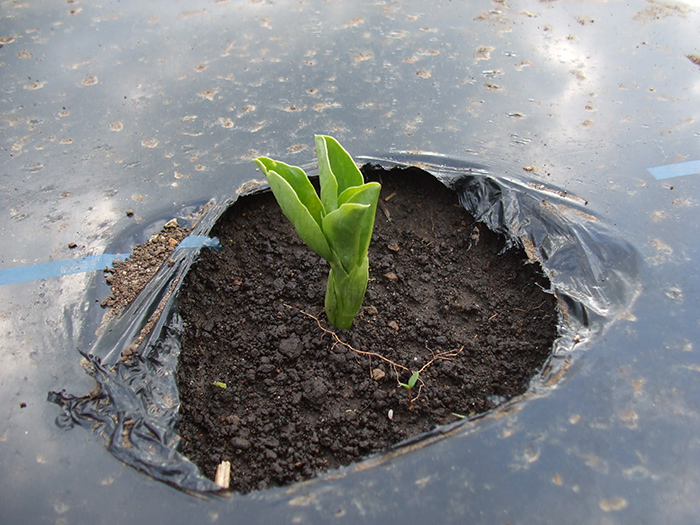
<point>345,293</point>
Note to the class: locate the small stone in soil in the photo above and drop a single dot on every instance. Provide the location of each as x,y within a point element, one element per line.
<point>378,374</point>
<point>291,347</point>
<point>240,443</point>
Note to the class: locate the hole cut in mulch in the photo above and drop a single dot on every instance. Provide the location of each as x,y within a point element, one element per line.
<point>300,398</point>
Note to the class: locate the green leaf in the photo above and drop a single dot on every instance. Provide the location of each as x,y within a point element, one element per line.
<point>365,194</point>
<point>299,215</point>
<point>412,380</point>
<point>220,384</point>
<point>299,181</point>
<point>342,230</point>
<point>344,168</point>
<point>327,180</point>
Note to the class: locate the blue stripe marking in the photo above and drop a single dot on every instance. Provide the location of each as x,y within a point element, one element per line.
<point>56,269</point>
<point>676,170</point>
<point>199,241</point>
<point>86,264</point>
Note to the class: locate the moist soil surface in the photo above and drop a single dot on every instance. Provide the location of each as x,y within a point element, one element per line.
<point>301,397</point>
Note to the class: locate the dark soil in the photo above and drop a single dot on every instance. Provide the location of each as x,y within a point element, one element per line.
<point>297,401</point>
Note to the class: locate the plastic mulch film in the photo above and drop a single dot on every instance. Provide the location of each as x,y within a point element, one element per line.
<point>593,272</point>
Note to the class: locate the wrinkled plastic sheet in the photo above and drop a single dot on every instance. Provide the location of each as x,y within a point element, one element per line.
<point>594,273</point>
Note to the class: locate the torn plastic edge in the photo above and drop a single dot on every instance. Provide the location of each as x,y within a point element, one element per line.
<point>574,248</point>
<point>158,295</point>
<point>141,433</point>
<point>536,218</point>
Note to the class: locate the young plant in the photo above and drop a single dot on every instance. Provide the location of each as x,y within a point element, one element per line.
<point>337,226</point>
<point>409,386</point>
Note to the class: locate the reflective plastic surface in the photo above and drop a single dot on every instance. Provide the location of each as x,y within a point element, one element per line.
<point>158,107</point>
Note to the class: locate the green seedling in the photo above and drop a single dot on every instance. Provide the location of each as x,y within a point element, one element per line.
<point>337,226</point>
<point>409,387</point>
<point>219,384</point>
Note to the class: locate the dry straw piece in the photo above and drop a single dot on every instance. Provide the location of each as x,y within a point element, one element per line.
<point>223,475</point>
